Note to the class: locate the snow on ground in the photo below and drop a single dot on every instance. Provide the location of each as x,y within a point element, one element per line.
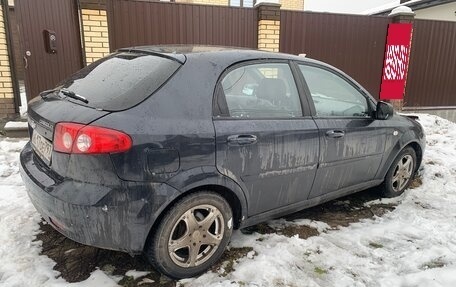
<point>136,274</point>
<point>414,245</point>
<point>20,261</point>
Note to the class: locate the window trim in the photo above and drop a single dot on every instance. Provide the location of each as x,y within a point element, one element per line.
<point>371,102</point>
<point>241,4</point>
<point>220,107</point>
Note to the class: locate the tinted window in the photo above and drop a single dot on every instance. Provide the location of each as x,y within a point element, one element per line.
<point>261,91</point>
<point>333,95</point>
<point>121,80</point>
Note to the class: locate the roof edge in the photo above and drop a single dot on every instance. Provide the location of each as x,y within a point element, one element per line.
<point>415,5</point>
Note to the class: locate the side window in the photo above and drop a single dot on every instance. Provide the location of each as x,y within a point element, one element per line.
<point>332,95</point>
<point>261,91</point>
<point>242,3</point>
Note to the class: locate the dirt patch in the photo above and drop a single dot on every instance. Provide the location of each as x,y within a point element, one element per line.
<point>346,210</point>
<point>418,181</point>
<point>262,228</point>
<point>340,212</point>
<point>375,245</point>
<point>436,263</point>
<point>320,271</point>
<point>229,258</point>
<point>302,231</point>
<point>75,261</point>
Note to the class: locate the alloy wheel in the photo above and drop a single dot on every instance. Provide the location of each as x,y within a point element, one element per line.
<point>196,236</point>
<point>402,173</point>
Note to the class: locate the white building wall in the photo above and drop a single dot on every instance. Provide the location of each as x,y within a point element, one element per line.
<point>446,12</point>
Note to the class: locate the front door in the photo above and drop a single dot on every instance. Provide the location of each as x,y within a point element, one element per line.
<point>50,42</point>
<point>352,142</point>
<point>264,142</point>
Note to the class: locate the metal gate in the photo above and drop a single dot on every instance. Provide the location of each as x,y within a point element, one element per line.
<point>50,42</point>
<point>352,43</point>
<point>137,22</point>
<point>431,80</point>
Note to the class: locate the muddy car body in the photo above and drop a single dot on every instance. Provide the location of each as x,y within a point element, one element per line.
<point>202,145</point>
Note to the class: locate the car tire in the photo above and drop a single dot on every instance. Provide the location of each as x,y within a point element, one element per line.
<point>400,174</point>
<point>191,236</point>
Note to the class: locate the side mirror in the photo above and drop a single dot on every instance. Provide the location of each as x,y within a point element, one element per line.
<point>384,111</point>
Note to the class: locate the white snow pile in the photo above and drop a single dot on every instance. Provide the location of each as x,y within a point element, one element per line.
<point>414,245</point>
<point>136,274</point>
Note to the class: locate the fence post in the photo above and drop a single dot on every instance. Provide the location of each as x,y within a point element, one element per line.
<point>7,101</point>
<point>268,26</point>
<point>402,14</point>
<point>95,33</point>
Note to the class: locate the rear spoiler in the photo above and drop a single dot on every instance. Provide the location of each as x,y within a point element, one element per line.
<point>180,58</point>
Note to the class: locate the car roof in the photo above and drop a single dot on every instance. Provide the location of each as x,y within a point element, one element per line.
<point>223,56</point>
<point>226,54</point>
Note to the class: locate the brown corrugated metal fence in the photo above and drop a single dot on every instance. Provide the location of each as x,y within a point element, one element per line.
<point>432,70</point>
<point>136,22</point>
<point>352,43</point>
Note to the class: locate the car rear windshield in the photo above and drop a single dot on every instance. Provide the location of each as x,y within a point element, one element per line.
<point>121,80</point>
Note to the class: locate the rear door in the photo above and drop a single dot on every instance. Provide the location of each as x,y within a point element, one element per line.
<point>352,142</point>
<point>265,139</point>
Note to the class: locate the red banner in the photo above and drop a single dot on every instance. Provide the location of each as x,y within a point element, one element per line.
<point>396,61</point>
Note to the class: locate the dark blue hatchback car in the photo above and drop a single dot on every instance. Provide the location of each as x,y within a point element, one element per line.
<point>165,150</point>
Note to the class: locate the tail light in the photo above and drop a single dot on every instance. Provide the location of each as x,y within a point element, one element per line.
<point>82,139</point>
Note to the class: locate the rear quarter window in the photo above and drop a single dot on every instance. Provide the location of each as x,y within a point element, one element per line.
<point>261,90</point>
<point>121,80</point>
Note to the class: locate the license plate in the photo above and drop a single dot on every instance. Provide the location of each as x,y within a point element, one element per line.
<point>42,146</point>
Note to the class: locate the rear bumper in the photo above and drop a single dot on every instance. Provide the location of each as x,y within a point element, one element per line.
<point>111,217</point>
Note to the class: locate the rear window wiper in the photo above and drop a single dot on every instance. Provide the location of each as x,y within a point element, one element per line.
<point>73,95</point>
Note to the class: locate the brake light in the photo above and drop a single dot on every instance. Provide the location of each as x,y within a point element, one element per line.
<point>82,139</point>
<point>64,136</point>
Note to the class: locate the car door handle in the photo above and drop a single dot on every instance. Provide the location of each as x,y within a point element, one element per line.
<point>242,139</point>
<point>335,134</point>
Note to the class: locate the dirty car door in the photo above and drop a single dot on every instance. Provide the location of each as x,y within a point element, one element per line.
<point>263,141</point>
<point>352,143</point>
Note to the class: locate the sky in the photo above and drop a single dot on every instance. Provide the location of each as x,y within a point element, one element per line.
<point>343,6</point>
